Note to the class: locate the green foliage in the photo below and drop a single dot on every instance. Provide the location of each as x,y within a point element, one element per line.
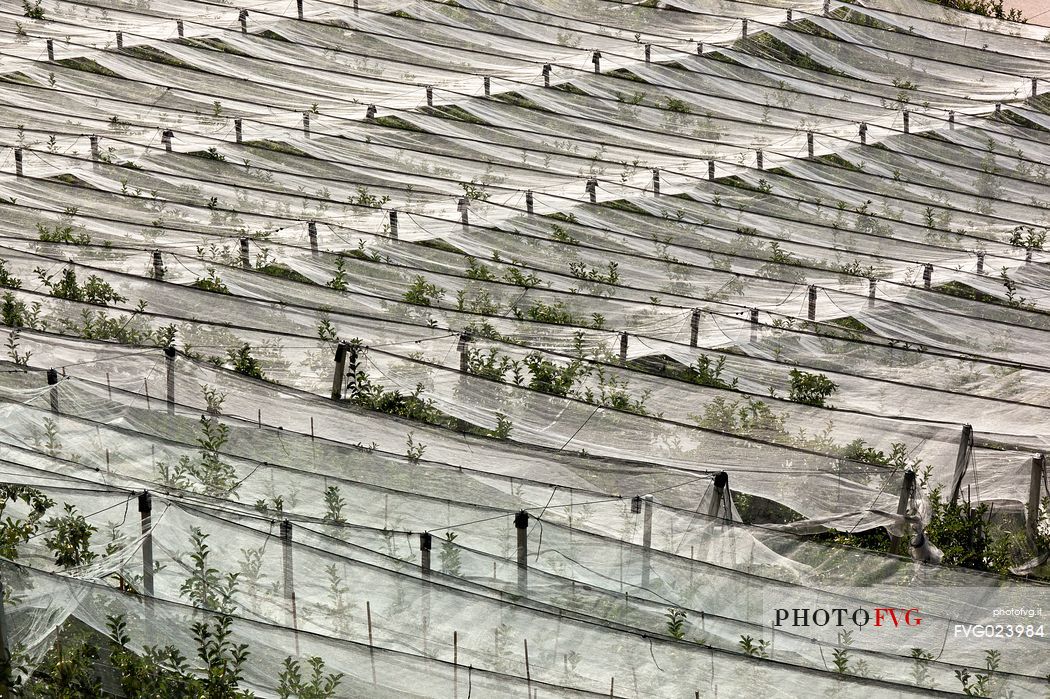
<point>752,648</point>
<point>20,359</point>
<point>423,293</point>
<point>366,198</point>
<point>1026,237</point>
<point>32,11</point>
<point>334,504</point>
<point>479,271</point>
<point>7,279</point>
<point>549,377</point>
<point>677,105</point>
<point>70,540</point>
<point>748,418</point>
<point>212,282</point>
<point>987,8</point>
<point>513,275</point>
<point>15,532</point>
<point>244,363</point>
<point>503,426</point>
<point>95,290</point>
<point>160,672</point>
<point>582,271</point>
<point>811,389</point>
<point>676,622</point>
<point>414,450</point>
<point>339,281</point>
<point>489,363</point>
<point>555,312</point>
<point>208,471</point>
<point>316,686</point>
<point>707,373</point>
<point>449,555</point>
<point>15,313</point>
<point>62,234</point>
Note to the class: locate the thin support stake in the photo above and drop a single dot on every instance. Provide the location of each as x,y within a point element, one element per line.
<point>623,348</point>
<point>694,327</point>
<point>425,544</point>
<point>521,524</point>
<point>927,275</point>
<point>52,381</point>
<point>146,517</point>
<point>907,488</point>
<point>962,458</point>
<point>311,232</point>
<point>647,537</point>
<point>169,359</point>
<point>529,203</point>
<point>340,371</point>
<point>1035,488</point>
<point>812,303</point>
<point>463,347</point>
<point>393,224</point>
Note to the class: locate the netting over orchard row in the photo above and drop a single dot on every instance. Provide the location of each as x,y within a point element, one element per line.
<point>608,306</point>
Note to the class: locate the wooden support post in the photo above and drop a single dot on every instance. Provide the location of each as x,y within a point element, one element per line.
<point>710,169</point>
<point>289,574</point>
<point>51,49</point>
<point>340,371</point>
<point>962,458</point>
<point>392,218</point>
<point>694,327</point>
<point>464,210</point>
<point>656,181</point>
<point>146,517</point>
<point>699,48</point>
<point>368,617</point>
<point>180,29</point>
<point>1028,255</point>
<point>596,59</point>
<point>464,355</point>
<point>169,359</point>
<point>927,275</point>
<point>158,266</point>
<point>907,121</point>
<point>1035,489</point>
<point>529,204</point>
<point>872,283</point>
<point>546,74</point>
<point>809,144</point>
<point>528,672</point>
<point>120,40</point>
<point>998,108</point>
<point>980,263</point>
<point>18,162</point>
<point>7,676</point>
<point>623,348</point>
<point>52,381</point>
<point>238,130</point>
<point>246,260</point>
<point>592,189</point>
<point>717,503</point>
<point>907,488</point>
<point>299,8</point>
<point>863,131</point>
<point>648,53</point>
<point>306,124</point>
<point>789,18</point>
<point>425,543</point>
<point>311,232</point>
<point>647,537</point>
<point>758,160</point>
<point>812,302</point>
<point>93,140</point>
<point>827,7</point>
<point>165,138</point>
<point>487,84</point>
<point>743,28</point>
<point>430,95</point>
<point>243,18</point>
<point>951,120</point>
<point>521,524</point>
<point>370,113</point>
<point>753,313</point>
